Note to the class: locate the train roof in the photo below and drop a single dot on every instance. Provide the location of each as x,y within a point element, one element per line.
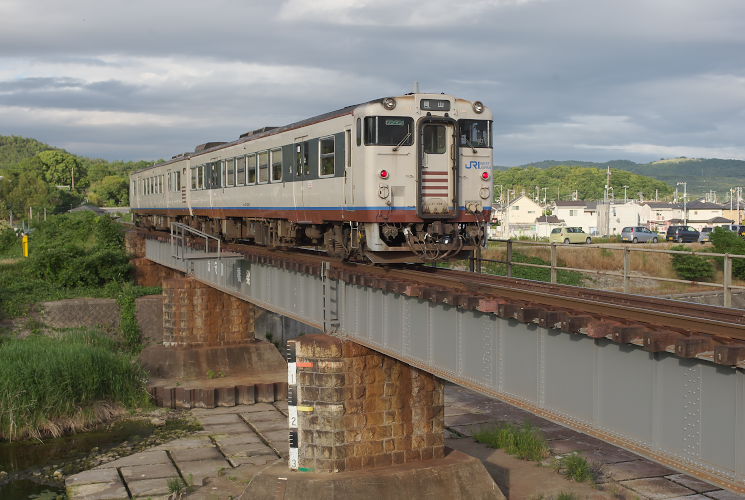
<point>264,132</point>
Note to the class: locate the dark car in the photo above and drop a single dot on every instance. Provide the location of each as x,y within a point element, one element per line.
<point>682,234</point>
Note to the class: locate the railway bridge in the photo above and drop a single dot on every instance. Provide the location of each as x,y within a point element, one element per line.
<point>660,377</point>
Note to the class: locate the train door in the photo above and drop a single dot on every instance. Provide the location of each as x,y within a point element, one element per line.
<point>302,174</point>
<point>437,168</point>
<point>348,179</point>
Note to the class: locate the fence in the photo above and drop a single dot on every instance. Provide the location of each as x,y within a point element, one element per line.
<point>726,285</point>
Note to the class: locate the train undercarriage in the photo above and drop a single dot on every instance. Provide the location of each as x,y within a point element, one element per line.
<point>379,243</point>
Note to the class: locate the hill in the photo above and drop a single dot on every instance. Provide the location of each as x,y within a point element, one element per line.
<point>561,181</point>
<point>701,174</point>
<point>13,149</point>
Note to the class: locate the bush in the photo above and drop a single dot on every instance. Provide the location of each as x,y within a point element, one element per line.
<point>10,244</point>
<point>44,380</point>
<point>729,242</point>
<point>79,249</point>
<point>692,267</point>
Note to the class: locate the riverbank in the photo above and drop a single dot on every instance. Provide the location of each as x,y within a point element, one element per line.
<point>33,466</point>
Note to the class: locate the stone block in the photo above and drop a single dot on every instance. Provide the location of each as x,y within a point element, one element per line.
<point>264,393</point>
<point>203,397</point>
<point>164,397</point>
<point>225,396</point>
<point>182,397</point>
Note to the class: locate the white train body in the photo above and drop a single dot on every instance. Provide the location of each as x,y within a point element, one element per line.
<point>396,179</point>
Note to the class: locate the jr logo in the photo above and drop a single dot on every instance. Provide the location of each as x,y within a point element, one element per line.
<point>478,164</point>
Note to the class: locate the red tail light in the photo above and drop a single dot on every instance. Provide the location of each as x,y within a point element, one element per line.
<point>485,176</point>
<point>384,174</point>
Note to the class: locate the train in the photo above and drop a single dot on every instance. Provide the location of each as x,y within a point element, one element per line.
<point>401,179</point>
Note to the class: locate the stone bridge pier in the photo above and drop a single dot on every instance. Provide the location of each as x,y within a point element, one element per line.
<point>365,425</point>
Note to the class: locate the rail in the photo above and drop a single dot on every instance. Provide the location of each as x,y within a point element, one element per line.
<point>476,265</point>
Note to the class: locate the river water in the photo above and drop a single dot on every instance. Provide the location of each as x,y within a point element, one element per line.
<point>30,464</point>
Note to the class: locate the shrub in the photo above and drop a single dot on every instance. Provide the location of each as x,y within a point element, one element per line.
<point>575,467</point>
<point>44,380</point>
<point>10,244</point>
<point>525,442</point>
<point>729,242</point>
<point>532,273</point>
<point>692,267</point>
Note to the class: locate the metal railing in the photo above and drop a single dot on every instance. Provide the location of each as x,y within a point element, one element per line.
<point>477,261</point>
<point>179,244</point>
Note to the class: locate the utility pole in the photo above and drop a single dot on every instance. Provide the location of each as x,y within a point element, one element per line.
<point>685,192</point>
<point>625,188</point>
<point>544,195</point>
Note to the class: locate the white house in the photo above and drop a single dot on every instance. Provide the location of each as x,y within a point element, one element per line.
<point>578,213</point>
<point>518,218</point>
<point>702,214</point>
<point>545,223</point>
<point>627,214</point>
<point>661,213</point>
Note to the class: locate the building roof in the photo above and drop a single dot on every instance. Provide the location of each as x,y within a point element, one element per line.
<point>549,219</point>
<point>573,203</point>
<point>662,204</point>
<point>703,205</point>
<point>720,220</point>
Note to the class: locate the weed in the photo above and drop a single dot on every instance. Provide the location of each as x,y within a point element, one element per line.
<point>692,267</point>
<point>176,486</point>
<point>47,380</point>
<point>525,442</point>
<point>567,496</point>
<point>576,468</point>
<point>212,374</point>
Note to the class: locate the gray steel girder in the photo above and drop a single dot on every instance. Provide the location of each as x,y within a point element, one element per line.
<point>687,413</point>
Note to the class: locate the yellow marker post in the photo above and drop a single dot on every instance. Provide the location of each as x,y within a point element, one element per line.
<point>25,245</point>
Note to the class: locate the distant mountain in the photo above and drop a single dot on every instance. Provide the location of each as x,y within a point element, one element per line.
<point>700,174</point>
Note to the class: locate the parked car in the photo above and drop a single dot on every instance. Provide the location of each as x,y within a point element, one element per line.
<point>638,234</point>
<point>705,234</point>
<point>569,235</point>
<point>682,234</point>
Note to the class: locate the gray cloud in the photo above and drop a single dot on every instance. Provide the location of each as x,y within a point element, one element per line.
<point>565,78</point>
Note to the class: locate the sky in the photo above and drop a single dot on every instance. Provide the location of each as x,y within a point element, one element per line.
<point>591,80</point>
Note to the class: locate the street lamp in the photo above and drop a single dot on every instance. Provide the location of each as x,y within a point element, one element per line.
<point>685,212</point>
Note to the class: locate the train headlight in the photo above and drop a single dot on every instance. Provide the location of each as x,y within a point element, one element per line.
<point>389,103</point>
<point>478,107</point>
<point>485,176</point>
<point>384,174</point>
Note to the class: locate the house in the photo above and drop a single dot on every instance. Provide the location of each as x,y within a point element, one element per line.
<point>578,213</point>
<point>545,223</point>
<point>518,218</point>
<point>703,213</point>
<point>627,214</point>
<point>662,213</point>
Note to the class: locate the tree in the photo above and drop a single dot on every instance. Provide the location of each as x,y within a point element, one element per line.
<point>61,167</point>
<point>111,191</point>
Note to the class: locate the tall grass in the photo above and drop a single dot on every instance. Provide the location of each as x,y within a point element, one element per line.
<point>525,442</point>
<point>50,385</point>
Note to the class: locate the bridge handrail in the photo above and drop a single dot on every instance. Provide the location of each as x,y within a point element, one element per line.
<point>178,227</point>
<point>726,285</point>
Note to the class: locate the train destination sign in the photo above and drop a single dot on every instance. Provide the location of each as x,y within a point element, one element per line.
<point>434,105</point>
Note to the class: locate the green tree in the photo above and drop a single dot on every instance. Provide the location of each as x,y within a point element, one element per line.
<point>111,191</point>
<point>729,242</point>
<point>60,168</point>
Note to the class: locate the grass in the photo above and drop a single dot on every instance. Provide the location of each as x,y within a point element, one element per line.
<point>576,468</point>
<point>50,385</point>
<point>525,442</point>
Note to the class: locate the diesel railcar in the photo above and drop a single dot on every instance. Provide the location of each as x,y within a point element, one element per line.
<point>397,179</point>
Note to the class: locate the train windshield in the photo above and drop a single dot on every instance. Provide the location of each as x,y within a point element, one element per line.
<point>475,133</point>
<point>389,130</point>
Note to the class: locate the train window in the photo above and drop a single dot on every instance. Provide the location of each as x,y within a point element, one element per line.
<point>358,132</point>
<point>160,183</point>
<point>230,172</point>
<point>251,172</point>
<point>434,139</point>
<point>389,130</point>
<point>263,167</point>
<point>170,181</point>
<point>276,165</point>
<point>193,178</point>
<point>200,177</point>
<point>326,152</point>
<point>178,180</point>
<point>475,133</point>
<point>240,175</point>
<point>214,179</point>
